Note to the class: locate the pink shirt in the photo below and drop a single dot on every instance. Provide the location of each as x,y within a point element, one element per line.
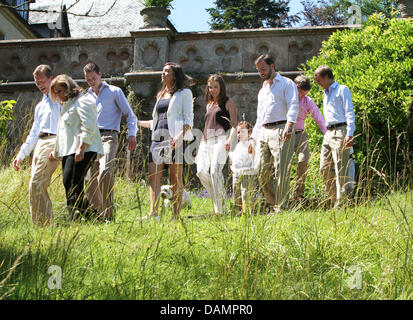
<point>307,106</point>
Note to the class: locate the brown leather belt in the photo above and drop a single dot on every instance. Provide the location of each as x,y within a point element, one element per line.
<point>272,124</point>
<point>46,134</point>
<point>107,131</point>
<point>336,125</point>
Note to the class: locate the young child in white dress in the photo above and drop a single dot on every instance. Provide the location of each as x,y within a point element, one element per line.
<point>244,171</point>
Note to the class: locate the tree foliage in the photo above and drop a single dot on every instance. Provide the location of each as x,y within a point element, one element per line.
<point>375,62</point>
<point>250,14</point>
<point>334,12</point>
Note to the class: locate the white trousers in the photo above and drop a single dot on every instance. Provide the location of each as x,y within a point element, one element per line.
<point>210,161</point>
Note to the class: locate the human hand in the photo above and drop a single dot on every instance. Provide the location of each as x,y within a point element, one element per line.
<point>348,142</point>
<point>16,164</point>
<point>131,143</point>
<point>177,141</point>
<point>227,145</point>
<point>288,131</point>
<point>79,155</point>
<point>251,146</point>
<point>52,157</point>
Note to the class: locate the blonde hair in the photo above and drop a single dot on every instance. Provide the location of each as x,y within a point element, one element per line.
<point>72,89</point>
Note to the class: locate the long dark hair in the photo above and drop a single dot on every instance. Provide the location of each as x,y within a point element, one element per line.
<point>181,80</point>
<point>222,99</point>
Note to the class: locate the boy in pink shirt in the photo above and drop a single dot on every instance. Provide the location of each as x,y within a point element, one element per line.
<point>307,106</point>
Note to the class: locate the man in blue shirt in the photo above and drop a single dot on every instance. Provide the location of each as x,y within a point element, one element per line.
<point>111,105</point>
<point>42,138</point>
<point>340,121</point>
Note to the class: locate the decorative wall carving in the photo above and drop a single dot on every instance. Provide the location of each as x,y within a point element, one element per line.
<point>299,51</point>
<point>226,55</point>
<point>13,70</point>
<point>118,60</point>
<point>49,58</point>
<point>192,62</point>
<point>263,48</point>
<point>82,61</point>
<point>150,54</point>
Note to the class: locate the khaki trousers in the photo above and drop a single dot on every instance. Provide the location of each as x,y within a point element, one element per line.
<point>334,163</point>
<point>41,174</point>
<point>301,149</point>
<point>275,157</point>
<point>245,189</point>
<point>100,178</point>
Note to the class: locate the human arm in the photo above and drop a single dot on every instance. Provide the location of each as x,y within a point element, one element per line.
<point>145,123</point>
<point>317,116</point>
<point>188,117</point>
<point>232,109</point>
<point>350,117</point>
<point>291,96</point>
<point>31,140</point>
<point>88,126</point>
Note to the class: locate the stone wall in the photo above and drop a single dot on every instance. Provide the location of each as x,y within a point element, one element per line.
<point>135,62</point>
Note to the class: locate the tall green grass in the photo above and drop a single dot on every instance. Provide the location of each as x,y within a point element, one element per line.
<point>300,254</point>
<point>362,251</point>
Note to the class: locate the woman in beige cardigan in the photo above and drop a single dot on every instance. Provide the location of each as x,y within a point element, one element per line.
<point>78,141</point>
<point>172,122</point>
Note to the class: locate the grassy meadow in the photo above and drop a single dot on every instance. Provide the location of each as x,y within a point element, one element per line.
<point>360,252</point>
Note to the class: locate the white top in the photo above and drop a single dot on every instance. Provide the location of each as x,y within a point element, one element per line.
<point>46,118</point>
<point>180,112</point>
<point>242,162</point>
<point>277,102</point>
<point>111,105</point>
<point>78,124</point>
<point>338,107</point>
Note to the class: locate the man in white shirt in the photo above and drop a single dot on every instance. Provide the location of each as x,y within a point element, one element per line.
<point>340,121</point>
<point>276,115</point>
<point>42,138</point>
<point>111,105</point>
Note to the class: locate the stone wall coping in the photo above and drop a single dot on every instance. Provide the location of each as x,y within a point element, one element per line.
<point>264,32</point>
<point>153,32</point>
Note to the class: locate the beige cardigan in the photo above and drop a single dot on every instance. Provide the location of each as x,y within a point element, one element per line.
<point>78,124</point>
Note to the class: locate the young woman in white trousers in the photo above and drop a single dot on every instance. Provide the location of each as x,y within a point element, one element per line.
<point>219,131</point>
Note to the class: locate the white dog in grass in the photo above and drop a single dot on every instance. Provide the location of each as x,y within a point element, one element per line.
<point>167,194</point>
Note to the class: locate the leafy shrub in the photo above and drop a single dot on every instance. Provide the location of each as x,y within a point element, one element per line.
<point>6,114</point>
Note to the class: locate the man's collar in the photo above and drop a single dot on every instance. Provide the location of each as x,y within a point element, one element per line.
<point>332,86</point>
<point>277,78</point>
<point>104,84</point>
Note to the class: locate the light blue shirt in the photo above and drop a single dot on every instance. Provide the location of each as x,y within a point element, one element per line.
<point>46,119</point>
<point>338,107</point>
<point>111,105</point>
<point>277,102</point>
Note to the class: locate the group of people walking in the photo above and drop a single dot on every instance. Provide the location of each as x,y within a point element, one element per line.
<point>81,129</point>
